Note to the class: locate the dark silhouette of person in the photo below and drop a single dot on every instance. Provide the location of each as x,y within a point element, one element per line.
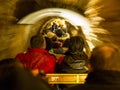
<point>104,69</point>
<point>14,77</point>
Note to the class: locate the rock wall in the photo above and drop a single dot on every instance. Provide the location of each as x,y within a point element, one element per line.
<point>13,39</point>
<point>105,16</point>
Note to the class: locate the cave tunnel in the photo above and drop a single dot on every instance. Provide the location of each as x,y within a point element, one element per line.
<point>20,19</point>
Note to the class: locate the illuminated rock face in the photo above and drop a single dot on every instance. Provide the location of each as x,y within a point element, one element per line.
<point>14,38</point>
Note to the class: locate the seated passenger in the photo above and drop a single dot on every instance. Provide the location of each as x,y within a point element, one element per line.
<point>37,58</point>
<point>14,77</point>
<point>75,59</point>
<point>104,69</point>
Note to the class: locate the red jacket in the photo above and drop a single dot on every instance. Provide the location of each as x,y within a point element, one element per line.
<point>36,58</point>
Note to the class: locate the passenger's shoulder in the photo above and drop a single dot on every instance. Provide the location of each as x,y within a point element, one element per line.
<point>94,87</point>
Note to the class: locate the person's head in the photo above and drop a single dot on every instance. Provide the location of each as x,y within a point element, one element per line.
<point>66,43</point>
<point>105,57</point>
<point>59,32</point>
<point>38,41</point>
<point>76,44</point>
<point>74,32</point>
